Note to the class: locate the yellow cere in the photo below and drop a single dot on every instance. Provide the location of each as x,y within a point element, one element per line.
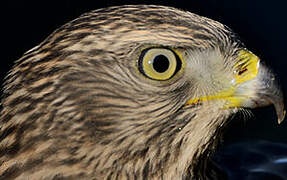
<point>246,69</point>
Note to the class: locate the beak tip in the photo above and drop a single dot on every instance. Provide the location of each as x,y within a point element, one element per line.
<point>281,116</point>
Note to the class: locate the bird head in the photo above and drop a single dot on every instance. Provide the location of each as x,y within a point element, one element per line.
<point>140,91</point>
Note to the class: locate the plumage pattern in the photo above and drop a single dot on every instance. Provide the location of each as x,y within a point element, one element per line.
<point>76,106</point>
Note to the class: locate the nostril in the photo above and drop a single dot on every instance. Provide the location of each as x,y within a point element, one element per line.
<point>242,71</point>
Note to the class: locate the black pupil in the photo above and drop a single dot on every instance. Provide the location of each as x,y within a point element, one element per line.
<point>160,63</point>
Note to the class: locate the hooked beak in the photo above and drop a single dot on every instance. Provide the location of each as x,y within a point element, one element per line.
<point>255,87</point>
<point>269,93</point>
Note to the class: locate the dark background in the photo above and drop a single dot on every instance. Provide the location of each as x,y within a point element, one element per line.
<point>261,25</point>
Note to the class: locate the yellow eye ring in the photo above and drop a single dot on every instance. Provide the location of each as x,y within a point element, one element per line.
<point>159,63</point>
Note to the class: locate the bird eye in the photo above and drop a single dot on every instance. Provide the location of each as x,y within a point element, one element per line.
<point>159,63</point>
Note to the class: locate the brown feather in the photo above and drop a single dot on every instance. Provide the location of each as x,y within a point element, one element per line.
<point>75,107</point>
